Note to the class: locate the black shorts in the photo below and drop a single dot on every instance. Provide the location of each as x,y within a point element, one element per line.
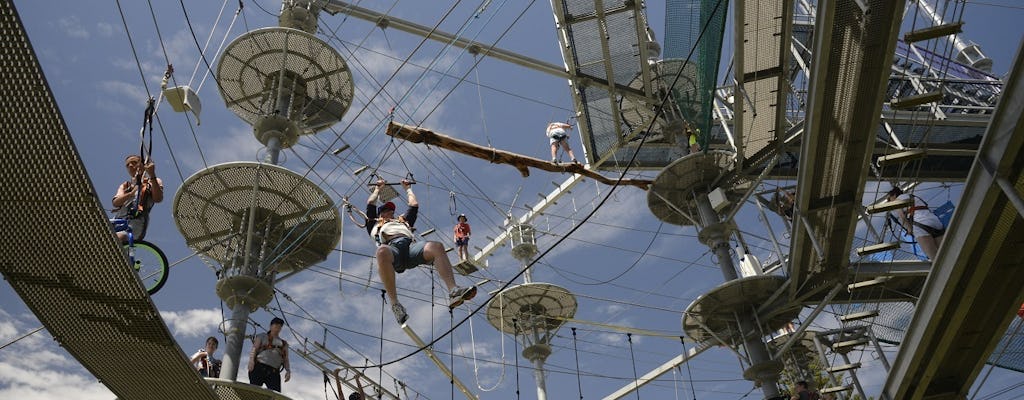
<point>264,374</point>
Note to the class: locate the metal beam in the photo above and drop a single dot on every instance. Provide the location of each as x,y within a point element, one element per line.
<point>968,299</point>
<point>534,211</point>
<point>440,365</point>
<point>334,7</point>
<point>852,53</point>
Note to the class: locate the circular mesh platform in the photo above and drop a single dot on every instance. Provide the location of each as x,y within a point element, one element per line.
<point>695,173</point>
<point>298,220</point>
<point>266,66</point>
<point>530,300</point>
<point>243,289</point>
<point>717,309</point>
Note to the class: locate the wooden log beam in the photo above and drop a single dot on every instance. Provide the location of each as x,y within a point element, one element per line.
<point>495,156</point>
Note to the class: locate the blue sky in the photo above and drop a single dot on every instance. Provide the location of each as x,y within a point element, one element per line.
<point>653,271</point>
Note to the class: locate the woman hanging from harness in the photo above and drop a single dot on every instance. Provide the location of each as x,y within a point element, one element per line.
<point>919,221</point>
<point>397,250</point>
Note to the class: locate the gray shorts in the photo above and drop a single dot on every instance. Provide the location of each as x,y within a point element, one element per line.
<point>407,255</point>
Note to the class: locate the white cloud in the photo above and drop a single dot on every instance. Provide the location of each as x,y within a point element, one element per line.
<point>193,323</point>
<point>104,29</point>
<point>72,27</point>
<point>131,92</point>
<point>36,368</point>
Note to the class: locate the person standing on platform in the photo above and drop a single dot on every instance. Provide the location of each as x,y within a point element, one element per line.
<point>269,356</point>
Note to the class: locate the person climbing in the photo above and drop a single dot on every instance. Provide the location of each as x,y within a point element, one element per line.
<point>691,138</point>
<point>919,221</point>
<point>397,251</point>
<point>204,361</point>
<point>557,135</point>
<point>785,201</point>
<point>268,357</point>
<point>802,392</point>
<point>135,197</point>
<point>462,233</point>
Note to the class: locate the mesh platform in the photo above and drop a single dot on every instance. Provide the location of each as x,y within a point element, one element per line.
<point>79,285</point>
<point>713,315</point>
<point>296,221</point>
<point>308,74</point>
<point>672,192</point>
<point>894,319</point>
<point>231,390</point>
<point>607,47</point>
<point>528,302</point>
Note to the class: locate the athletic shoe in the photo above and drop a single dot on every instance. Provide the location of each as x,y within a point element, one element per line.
<point>459,295</point>
<point>400,315</point>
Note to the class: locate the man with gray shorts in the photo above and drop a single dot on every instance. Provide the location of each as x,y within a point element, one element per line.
<point>398,250</point>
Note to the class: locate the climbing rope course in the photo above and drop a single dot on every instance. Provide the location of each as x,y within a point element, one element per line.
<point>573,278</point>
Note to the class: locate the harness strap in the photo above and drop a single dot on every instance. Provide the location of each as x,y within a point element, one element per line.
<point>915,208</point>
<point>931,231</point>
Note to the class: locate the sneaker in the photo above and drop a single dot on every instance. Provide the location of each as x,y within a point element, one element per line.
<point>400,315</point>
<point>459,295</point>
<point>554,161</point>
<point>574,161</point>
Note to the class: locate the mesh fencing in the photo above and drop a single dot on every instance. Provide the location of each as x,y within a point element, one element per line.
<point>684,21</point>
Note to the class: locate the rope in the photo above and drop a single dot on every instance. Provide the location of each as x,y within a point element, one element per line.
<point>30,333</point>
<point>472,338</point>
<point>515,328</point>
<point>480,96</point>
<point>575,351</point>
<point>693,389</point>
<point>209,38</point>
<point>632,357</point>
<point>451,350</point>
<point>380,366</point>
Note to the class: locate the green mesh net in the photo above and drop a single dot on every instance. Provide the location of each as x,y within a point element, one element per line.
<point>684,21</point>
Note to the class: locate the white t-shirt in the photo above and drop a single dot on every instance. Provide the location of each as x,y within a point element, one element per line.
<point>921,215</point>
<point>391,229</point>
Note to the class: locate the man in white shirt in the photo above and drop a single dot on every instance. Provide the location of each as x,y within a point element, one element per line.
<point>919,221</point>
<point>398,251</point>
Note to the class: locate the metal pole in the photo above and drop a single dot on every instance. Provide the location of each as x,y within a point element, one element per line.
<point>273,149</point>
<point>538,374</point>
<point>824,360</point>
<point>234,339</point>
<point>878,348</point>
<point>853,375</point>
<point>756,350</point>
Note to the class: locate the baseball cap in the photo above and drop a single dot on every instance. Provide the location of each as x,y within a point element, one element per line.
<point>386,206</point>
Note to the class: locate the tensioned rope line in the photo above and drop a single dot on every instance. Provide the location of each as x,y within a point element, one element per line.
<point>429,159</point>
<point>658,113</point>
<point>142,75</point>
<point>167,59</point>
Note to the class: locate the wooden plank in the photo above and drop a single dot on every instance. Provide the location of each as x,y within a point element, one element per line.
<point>496,156</point>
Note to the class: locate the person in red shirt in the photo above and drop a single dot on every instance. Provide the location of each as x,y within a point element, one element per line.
<point>462,233</point>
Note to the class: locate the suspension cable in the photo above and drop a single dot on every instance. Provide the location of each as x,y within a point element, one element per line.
<point>632,357</point>
<point>575,351</point>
